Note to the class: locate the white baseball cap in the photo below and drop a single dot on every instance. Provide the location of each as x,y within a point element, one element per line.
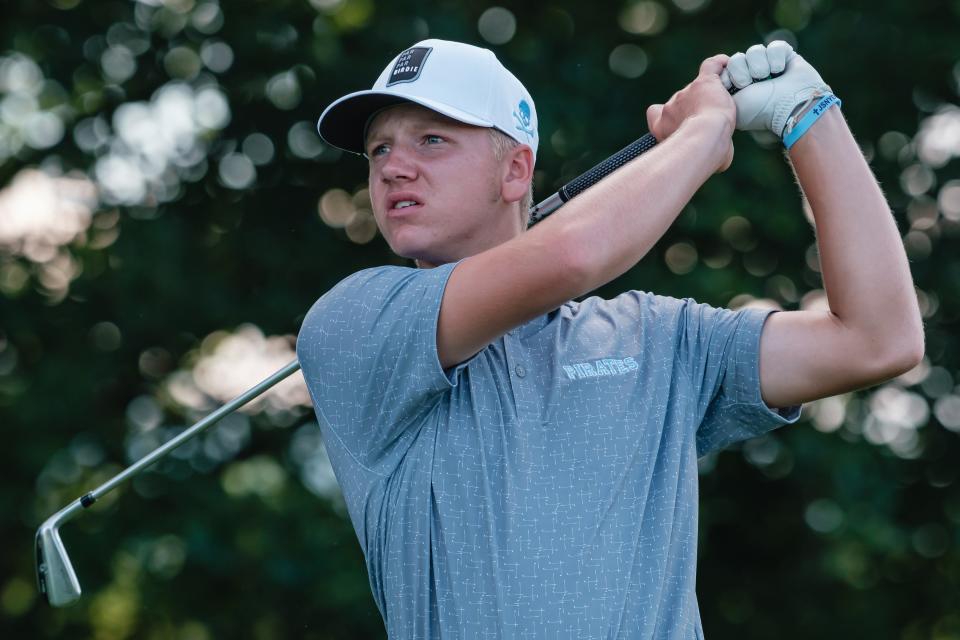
<point>460,81</point>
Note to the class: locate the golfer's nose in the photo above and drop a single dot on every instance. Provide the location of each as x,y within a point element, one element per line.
<point>400,164</point>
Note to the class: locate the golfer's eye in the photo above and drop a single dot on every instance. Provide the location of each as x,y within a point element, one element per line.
<point>432,139</point>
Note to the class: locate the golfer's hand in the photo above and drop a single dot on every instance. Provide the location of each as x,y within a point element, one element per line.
<point>705,99</point>
<point>763,96</point>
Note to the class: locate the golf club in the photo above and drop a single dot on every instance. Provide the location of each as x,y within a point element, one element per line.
<point>56,578</point>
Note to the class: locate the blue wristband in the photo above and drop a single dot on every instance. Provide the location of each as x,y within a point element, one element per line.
<point>809,118</point>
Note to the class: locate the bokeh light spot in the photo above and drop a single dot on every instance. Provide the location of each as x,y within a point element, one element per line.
<point>829,413</point>
<point>182,63</point>
<point>166,556</point>
<point>283,90</point>
<point>948,200</point>
<point>792,14</point>
<point>628,60</point>
<point>259,148</point>
<point>43,130</point>
<point>237,171</point>
<point>939,137</point>
<point>261,476</point>
<point>738,231</point>
<point>106,336</point>
<point>497,25</point>
<point>917,179</point>
<point>144,413</point>
<point>931,540</point>
<point>336,207</point>
<point>352,14</point>
<point>216,55</point>
<point>207,18</point>
<point>823,515</point>
<point>39,213</point>
<point>230,363</point>
<point>690,6</point>
<point>646,18</point>
<point>890,144</point>
<point>303,141</point>
<point>118,64</point>
<point>17,597</point>
<point>947,411</point>
<point>681,258</point>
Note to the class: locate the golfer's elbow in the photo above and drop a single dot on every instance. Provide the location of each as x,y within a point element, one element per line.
<point>910,353</point>
<point>897,354</point>
<point>909,340</point>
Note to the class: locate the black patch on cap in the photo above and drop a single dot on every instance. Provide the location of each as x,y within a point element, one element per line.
<point>409,65</point>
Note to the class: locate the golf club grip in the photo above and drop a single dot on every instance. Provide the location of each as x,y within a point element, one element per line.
<point>592,176</point>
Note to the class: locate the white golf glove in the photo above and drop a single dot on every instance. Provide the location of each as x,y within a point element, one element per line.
<point>765,102</point>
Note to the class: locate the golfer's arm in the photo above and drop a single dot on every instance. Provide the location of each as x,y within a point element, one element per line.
<point>872,330</point>
<point>591,240</point>
<point>615,223</point>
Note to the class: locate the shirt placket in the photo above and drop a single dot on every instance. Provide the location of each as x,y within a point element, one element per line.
<point>524,387</point>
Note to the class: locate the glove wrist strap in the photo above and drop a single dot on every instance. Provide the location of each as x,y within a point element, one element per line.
<point>793,132</point>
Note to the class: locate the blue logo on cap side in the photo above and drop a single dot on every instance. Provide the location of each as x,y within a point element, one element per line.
<point>523,115</point>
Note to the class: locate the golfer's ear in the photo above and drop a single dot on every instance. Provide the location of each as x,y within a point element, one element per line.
<point>517,173</point>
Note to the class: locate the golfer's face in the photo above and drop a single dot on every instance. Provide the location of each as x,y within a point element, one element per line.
<point>432,182</point>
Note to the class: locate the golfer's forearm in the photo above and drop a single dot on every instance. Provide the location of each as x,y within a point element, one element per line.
<point>611,226</point>
<point>863,263</point>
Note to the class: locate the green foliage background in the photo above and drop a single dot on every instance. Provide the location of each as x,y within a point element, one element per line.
<point>825,529</point>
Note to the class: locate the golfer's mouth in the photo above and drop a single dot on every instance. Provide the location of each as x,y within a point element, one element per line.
<point>403,205</point>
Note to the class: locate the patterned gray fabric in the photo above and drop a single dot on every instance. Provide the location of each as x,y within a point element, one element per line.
<point>545,488</point>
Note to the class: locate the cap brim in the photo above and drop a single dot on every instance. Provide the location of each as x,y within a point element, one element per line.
<point>343,123</point>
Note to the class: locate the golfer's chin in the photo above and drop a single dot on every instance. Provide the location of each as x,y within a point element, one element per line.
<point>421,253</point>
<point>426,261</point>
<point>409,241</point>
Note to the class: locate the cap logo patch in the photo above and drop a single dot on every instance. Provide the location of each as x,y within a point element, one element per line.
<point>409,65</point>
<point>522,115</point>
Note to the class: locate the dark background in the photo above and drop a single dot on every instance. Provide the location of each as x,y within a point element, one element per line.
<point>161,240</point>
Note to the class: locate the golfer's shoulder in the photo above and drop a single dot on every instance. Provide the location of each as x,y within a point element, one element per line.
<point>645,303</point>
<point>372,283</point>
<point>371,292</point>
<point>663,313</point>
<point>375,278</point>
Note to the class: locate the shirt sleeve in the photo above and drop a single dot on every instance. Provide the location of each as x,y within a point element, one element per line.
<point>720,349</point>
<point>369,357</point>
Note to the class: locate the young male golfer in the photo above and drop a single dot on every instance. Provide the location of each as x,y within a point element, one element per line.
<point>520,465</point>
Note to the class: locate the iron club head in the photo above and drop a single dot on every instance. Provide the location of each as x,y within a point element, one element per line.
<point>55,576</point>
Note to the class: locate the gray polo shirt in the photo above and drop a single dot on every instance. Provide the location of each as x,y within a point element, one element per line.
<point>545,488</point>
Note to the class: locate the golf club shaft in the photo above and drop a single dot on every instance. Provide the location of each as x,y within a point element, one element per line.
<point>196,428</point>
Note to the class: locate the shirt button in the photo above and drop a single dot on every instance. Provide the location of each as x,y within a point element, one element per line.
<point>520,371</point>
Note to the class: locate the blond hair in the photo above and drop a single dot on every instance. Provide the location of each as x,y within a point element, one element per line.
<point>501,144</point>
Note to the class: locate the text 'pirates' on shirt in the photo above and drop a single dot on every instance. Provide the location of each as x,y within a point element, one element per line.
<point>545,488</point>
